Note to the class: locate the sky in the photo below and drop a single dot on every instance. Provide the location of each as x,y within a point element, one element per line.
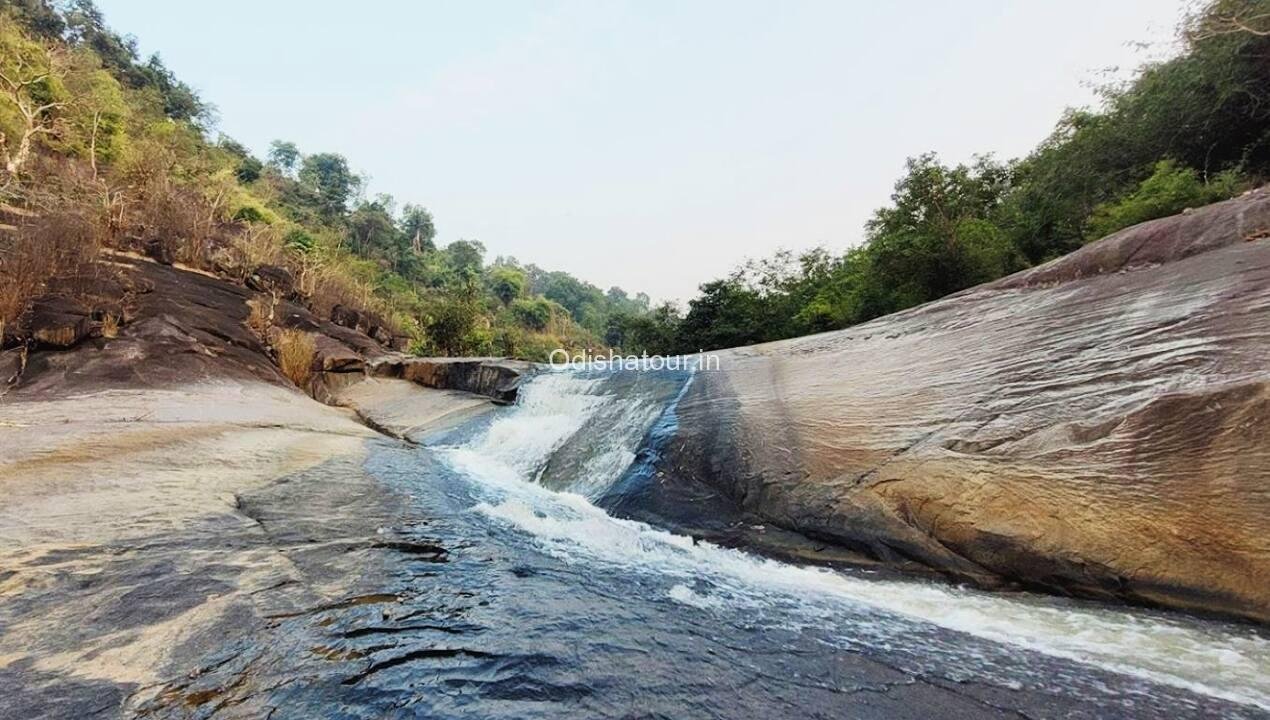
<point>653,145</point>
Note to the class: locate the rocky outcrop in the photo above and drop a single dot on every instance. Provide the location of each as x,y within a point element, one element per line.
<point>180,326</point>
<point>1099,425</point>
<point>497,378</point>
<point>272,279</point>
<point>406,410</point>
<point>59,322</point>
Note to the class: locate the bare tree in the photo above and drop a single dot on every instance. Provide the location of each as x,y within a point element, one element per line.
<point>1235,21</point>
<point>20,85</point>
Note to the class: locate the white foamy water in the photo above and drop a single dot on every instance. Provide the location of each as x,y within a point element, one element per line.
<point>1224,661</point>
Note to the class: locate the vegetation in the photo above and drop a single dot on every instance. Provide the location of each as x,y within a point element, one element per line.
<point>1182,133</point>
<point>103,149</point>
<point>296,350</point>
<point>93,135</point>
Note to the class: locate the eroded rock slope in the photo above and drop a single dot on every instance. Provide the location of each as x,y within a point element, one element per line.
<point>1098,425</point>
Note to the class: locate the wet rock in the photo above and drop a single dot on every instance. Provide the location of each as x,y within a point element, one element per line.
<point>406,410</point>
<point>1096,425</point>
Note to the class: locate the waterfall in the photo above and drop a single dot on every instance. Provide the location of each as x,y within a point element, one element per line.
<point>541,467</point>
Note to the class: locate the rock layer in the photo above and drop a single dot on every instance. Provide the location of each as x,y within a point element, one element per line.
<point>1099,425</point>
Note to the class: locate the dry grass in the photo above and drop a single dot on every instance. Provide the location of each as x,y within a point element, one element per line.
<point>296,351</point>
<point>62,243</point>
<point>248,249</point>
<point>74,212</point>
<point>260,315</point>
<point>109,326</point>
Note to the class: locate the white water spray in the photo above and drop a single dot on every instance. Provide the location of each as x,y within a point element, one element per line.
<point>1224,661</point>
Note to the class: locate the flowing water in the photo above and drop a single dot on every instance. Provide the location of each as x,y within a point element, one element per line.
<point>525,589</point>
<point>658,623</point>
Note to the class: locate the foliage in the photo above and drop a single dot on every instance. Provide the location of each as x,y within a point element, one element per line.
<point>81,95</point>
<point>1169,190</point>
<point>1187,131</point>
<point>507,284</point>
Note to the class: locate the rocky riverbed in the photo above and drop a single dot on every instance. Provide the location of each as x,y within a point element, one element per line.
<point>187,534</point>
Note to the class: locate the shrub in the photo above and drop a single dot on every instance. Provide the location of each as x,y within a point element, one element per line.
<point>63,243</point>
<point>260,315</point>
<point>299,239</point>
<point>1169,190</point>
<point>296,351</point>
<point>249,213</point>
<point>532,314</point>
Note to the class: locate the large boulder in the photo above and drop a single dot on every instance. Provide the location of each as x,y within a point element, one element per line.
<point>1099,425</point>
<point>59,322</point>
<point>333,356</point>
<point>272,279</point>
<point>350,318</point>
<point>496,378</point>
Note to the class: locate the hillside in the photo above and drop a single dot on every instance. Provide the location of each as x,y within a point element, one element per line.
<point>104,150</point>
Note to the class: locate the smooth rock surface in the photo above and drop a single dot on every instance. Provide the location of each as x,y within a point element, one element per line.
<point>406,410</point>
<point>1099,425</point>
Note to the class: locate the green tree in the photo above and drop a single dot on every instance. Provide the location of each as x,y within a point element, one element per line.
<point>534,314</point>
<point>1169,190</point>
<point>373,234</point>
<point>284,157</point>
<point>507,284</point>
<point>418,227</point>
<point>329,178</point>
<point>33,96</point>
<point>464,259</point>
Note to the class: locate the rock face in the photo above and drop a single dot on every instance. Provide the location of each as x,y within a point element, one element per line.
<point>272,279</point>
<point>1099,425</point>
<point>184,327</point>
<point>498,378</point>
<point>59,322</point>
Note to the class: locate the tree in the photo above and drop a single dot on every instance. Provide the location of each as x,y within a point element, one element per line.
<point>85,27</point>
<point>465,258</point>
<point>507,284</point>
<point>417,225</point>
<point>97,112</point>
<point>1170,189</point>
<point>534,314</point>
<point>328,176</point>
<point>725,314</point>
<point>284,156</point>
<point>31,86</point>
<point>1228,17</point>
<point>452,325</point>
<point>937,237</point>
<point>374,234</point>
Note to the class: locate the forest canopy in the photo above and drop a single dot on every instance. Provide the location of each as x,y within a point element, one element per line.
<point>1183,132</point>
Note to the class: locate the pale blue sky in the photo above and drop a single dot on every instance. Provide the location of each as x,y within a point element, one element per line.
<point>653,145</point>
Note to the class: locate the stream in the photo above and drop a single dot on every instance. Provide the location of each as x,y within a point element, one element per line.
<point>527,588</point>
